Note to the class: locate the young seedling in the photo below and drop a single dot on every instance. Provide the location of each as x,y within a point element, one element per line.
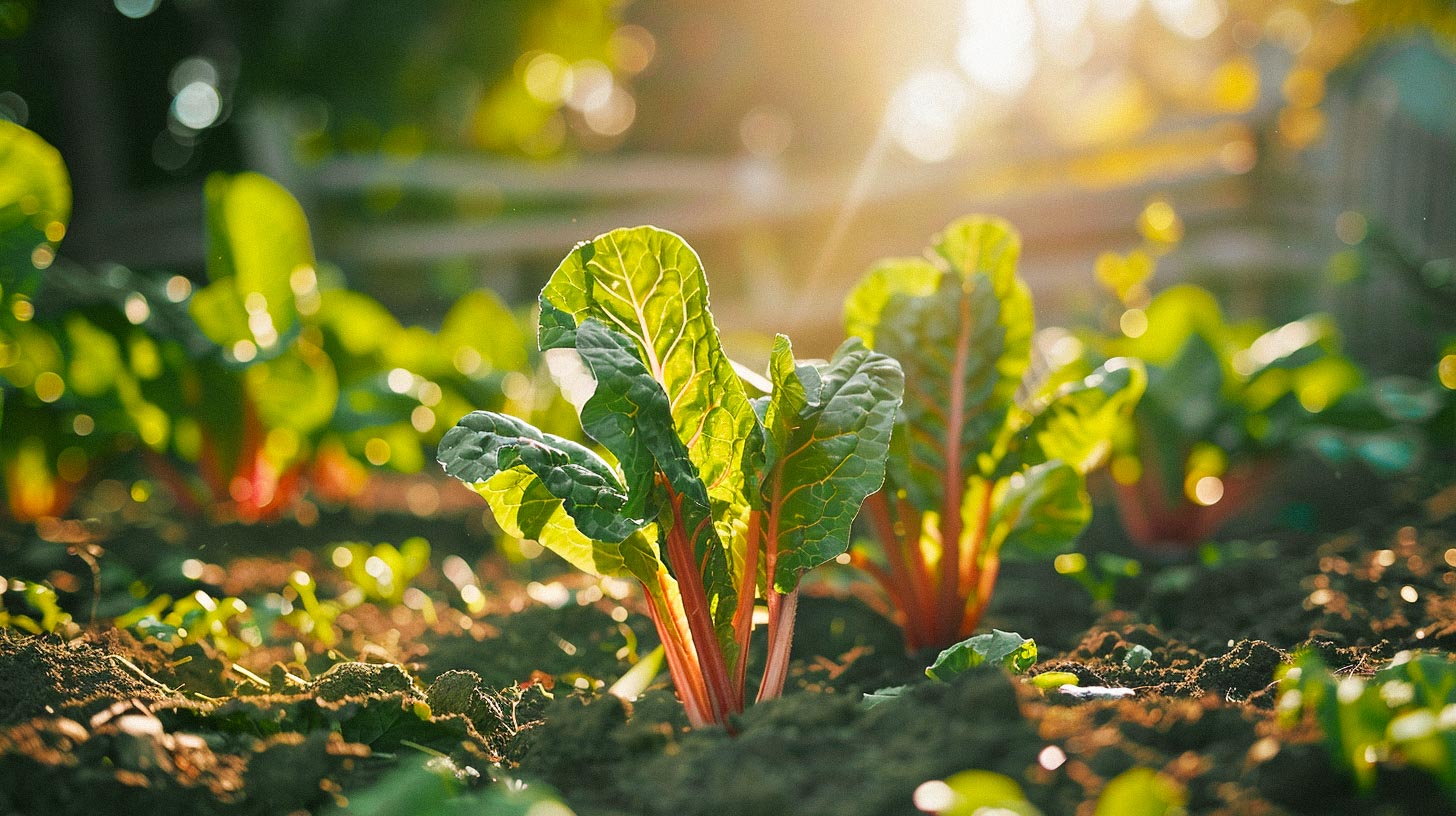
<point>715,499</point>
<point>974,473</point>
<point>1404,715</point>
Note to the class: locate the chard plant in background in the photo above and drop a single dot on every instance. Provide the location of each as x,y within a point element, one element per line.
<point>1225,400</point>
<point>974,475</point>
<point>714,499</point>
<point>240,396</point>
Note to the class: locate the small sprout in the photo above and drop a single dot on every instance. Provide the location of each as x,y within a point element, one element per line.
<point>1009,649</point>
<point>1137,655</point>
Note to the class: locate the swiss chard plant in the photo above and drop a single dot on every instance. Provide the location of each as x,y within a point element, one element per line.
<point>1225,400</point>
<point>711,499</point>
<point>974,474</point>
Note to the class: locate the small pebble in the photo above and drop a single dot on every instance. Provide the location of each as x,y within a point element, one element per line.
<point>1095,692</point>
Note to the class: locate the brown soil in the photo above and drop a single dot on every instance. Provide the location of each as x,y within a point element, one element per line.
<point>107,723</point>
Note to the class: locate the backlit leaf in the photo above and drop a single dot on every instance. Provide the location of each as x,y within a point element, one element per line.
<point>257,238</point>
<point>35,206</point>
<point>1141,792</point>
<point>1040,511</point>
<point>628,414</point>
<point>865,306</point>
<point>964,349</point>
<point>1077,422</point>
<point>649,285</point>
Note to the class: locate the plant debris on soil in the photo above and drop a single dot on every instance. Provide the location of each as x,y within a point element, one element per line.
<point>110,722</point>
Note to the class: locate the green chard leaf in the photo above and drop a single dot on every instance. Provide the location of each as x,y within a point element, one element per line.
<point>828,431</point>
<point>1040,511</point>
<point>649,284</point>
<point>257,238</point>
<point>1008,649</point>
<point>964,347</point>
<point>629,415</point>
<point>905,277</point>
<point>549,489</point>
<point>1076,423</point>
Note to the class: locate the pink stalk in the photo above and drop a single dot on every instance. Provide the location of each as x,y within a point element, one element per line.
<point>743,615</point>
<point>700,620</point>
<point>950,606</point>
<point>687,677</point>
<point>783,608</point>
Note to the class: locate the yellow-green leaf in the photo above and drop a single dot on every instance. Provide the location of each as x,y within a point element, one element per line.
<point>35,207</point>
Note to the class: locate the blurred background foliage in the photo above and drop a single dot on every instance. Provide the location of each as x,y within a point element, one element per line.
<point>457,141</point>
<point>1294,162</point>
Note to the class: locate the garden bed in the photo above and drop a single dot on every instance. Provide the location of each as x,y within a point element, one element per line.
<point>110,722</point>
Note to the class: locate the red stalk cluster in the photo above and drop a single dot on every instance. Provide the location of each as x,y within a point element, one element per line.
<point>940,603</point>
<point>710,692</point>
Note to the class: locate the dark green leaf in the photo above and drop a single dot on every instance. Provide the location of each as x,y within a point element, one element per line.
<point>831,435</point>
<point>539,485</point>
<point>996,647</point>
<point>649,285</point>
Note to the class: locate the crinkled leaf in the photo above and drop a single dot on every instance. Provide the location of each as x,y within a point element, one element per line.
<point>35,205</point>
<point>787,400</point>
<point>648,284</point>
<point>832,435</point>
<point>525,509</point>
<point>1040,511</point>
<point>1076,424</point>
<point>964,348</point>
<point>484,444</point>
<point>996,647</point>
<point>628,414</point>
